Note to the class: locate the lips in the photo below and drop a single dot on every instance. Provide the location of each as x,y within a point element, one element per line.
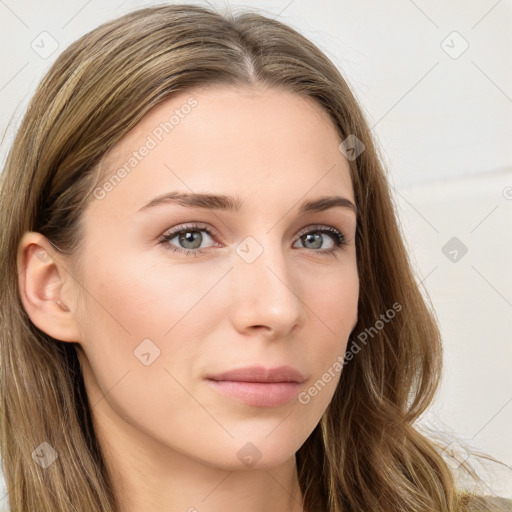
<point>260,374</point>
<point>258,386</point>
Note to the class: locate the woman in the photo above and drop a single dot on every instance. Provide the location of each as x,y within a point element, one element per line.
<point>207,302</point>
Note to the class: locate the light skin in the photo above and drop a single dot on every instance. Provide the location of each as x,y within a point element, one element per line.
<point>172,443</point>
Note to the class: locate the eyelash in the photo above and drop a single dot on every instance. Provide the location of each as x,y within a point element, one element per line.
<point>337,236</point>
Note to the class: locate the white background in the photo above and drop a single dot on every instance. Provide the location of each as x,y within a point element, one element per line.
<point>442,119</point>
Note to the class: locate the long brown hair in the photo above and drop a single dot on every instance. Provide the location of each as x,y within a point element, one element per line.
<point>365,453</point>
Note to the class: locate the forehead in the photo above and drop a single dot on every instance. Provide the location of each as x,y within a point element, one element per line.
<point>229,140</point>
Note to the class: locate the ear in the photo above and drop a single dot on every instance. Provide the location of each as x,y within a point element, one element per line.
<point>46,288</point>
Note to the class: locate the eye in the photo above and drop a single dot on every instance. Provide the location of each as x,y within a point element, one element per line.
<point>313,239</point>
<point>188,235</point>
<point>191,239</point>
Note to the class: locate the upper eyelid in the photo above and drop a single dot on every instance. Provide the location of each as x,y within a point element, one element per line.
<point>191,226</point>
<point>320,227</point>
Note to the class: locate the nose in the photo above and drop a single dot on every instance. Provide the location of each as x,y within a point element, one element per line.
<point>266,294</point>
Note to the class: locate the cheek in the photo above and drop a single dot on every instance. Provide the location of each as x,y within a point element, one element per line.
<point>333,309</point>
<point>130,317</point>
<point>133,298</point>
<point>147,324</point>
<point>333,301</point>
<point>141,343</point>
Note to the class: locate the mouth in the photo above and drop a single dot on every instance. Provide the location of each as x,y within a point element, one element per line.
<point>258,386</point>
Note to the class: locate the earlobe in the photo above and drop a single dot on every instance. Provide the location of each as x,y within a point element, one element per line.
<point>42,277</point>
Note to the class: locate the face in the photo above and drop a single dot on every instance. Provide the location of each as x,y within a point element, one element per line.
<point>181,290</point>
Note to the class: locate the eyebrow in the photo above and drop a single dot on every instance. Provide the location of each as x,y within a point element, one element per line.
<point>234,204</point>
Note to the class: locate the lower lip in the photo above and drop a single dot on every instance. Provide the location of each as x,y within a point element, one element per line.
<point>258,394</point>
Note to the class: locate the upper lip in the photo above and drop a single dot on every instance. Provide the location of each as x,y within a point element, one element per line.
<point>261,374</point>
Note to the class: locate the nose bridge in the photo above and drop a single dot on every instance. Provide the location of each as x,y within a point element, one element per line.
<point>266,289</point>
